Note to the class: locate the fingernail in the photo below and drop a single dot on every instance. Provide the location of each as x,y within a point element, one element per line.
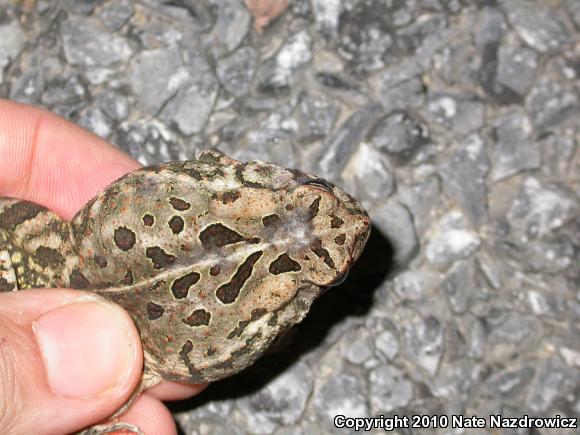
<point>87,348</point>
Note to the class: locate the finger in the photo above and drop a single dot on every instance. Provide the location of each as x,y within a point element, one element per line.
<point>151,416</point>
<point>53,162</point>
<point>175,390</point>
<point>64,353</point>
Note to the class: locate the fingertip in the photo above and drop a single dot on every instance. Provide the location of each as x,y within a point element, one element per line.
<point>175,390</point>
<point>151,416</point>
<point>90,349</point>
<point>62,354</point>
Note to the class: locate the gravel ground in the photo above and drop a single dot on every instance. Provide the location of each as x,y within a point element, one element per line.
<point>455,122</point>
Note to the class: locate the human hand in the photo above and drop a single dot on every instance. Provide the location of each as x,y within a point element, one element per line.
<point>56,370</point>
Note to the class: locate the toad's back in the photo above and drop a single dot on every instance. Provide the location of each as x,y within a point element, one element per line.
<point>213,258</point>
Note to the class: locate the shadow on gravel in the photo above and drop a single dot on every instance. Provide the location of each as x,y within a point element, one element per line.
<point>352,298</point>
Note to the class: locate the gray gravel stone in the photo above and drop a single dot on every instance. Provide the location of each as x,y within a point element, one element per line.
<point>318,117</point>
<point>451,241</point>
<point>28,88</point>
<point>424,344</point>
<point>364,38</point>
<point>460,285</point>
<point>511,332</point>
<point>492,269</point>
<point>236,71</point>
<point>190,426</point>
<point>12,41</point>
<point>274,136</point>
<point>278,74</point>
<point>473,336</point>
<point>461,113</point>
<point>490,27</point>
<point>64,92</point>
<point>281,123</point>
<point>400,134</point>
<point>114,15</point>
<point>213,410</point>
<point>550,103</point>
<point>537,24</point>
<point>415,285</point>
<point>558,152</point>
<point>433,5</point>
<point>539,208</point>
<point>327,15</point>
<point>369,175</point>
<point>195,15</point>
<point>456,381</point>
<point>571,357</point>
<point>355,346</point>
<point>115,105</point>
<point>509,382</point>
<point>401,87</point>
<point>514,150</point>
<point>147,141</point>
<point>341,394</point>
<point>464,178</point>
<point>95,120</point>
<point>342,86</point>
<point>551,256</point>
<point>390,389</point>
<point>281,402</point>
<point>420,199</point>
<point>156,75</point>
<point>340,144</point>
<point>516,68</point>
<point>403,13</point>
<point>396,224</point>
<point>98,76</point>
<point>574,10</point>
<point>421,33</point>
<point>87,43</point>
<point>547,304</point>
<point>552,380</point>
<point>458,64</point>
<point>508,71</point>
<point>191,107</point>
<point>387,344</point>
<point>306,428</point>
<point>160,33</point>
<point>231,26</point>
<point>301,8</point>
<point>85,7</point>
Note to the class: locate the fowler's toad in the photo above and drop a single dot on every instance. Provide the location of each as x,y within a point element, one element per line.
<point>213,258</point>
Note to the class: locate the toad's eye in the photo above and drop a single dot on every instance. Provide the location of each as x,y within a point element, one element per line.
<point>319,182</point>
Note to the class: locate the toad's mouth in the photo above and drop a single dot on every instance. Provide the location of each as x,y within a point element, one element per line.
<point>323,288</point>
<point>339,279</point>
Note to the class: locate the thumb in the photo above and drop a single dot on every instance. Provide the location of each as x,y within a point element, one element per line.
<point>68,359</point>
